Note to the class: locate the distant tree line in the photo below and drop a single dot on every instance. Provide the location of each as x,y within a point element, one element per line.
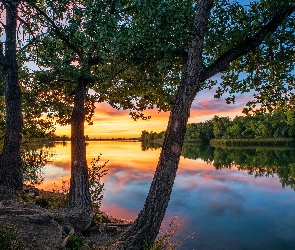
<point>151,136</point>
<point>278,124</point>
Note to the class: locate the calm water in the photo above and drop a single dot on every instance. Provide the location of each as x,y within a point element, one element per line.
<point>230,199</point>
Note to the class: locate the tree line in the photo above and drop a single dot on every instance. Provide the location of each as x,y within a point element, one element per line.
<point>135,55</point>
<point>277,124</point>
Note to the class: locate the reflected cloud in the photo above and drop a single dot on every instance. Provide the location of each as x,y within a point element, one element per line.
<point>119,211</point>
<point>220,208</point>
<point>221,205</point>
<point>66,165</point>
<point>224,199</point>
<point>121,176</point>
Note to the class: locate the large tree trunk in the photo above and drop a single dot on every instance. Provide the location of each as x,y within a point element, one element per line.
<point>79,196</point>
<point>146,227</point>
<point>11,165</point>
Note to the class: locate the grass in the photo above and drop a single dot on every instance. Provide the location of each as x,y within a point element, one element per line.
<point>253,142</point>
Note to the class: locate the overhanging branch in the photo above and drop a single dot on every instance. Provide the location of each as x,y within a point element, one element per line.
<point>58,32</point>
<point>248,44</point>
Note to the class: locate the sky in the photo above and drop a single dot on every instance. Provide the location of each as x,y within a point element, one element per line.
<point>111,123</point>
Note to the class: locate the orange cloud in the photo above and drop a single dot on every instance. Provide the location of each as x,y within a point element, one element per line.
<point>112,123</point>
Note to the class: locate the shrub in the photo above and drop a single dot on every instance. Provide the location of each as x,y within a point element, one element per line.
<point>95,173</point>
<point>75,242</point>
<point>54,198</point>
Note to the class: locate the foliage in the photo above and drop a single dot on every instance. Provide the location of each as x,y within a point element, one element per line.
<point>259,69</point>
<point>54,199</point>
<point>96,187</point>
<point>9,240</point>
<point>151,136</point>
<point>278,124</point>
<point>75,242</point>
<point>105,45</point>
<point>199,131</point>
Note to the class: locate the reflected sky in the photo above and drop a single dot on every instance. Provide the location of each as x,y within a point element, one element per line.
<point>225,209</point>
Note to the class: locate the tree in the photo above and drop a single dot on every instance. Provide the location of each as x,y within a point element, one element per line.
<point>18,34</point>
<point>220,126</point>
<point>84,49</point>
<point>11,166</point>
<point>201,63</point>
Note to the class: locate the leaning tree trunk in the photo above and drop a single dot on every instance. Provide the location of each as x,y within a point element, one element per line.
<point>146,227</point>
<point>79,196</point>
<point>11,165</point>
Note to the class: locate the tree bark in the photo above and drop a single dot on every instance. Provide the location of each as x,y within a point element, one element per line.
<point>146,227</point>
<point>11,165</point>
<point>79,188</point>
<point>79,195</point>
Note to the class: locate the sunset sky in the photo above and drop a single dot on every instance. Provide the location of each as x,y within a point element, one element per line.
<point>111,123</point>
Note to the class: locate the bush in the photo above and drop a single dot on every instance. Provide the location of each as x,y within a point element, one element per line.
<point>75,242</point>
<point>95,173</point>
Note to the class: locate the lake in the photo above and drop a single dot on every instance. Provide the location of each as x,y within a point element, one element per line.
<point>230,198</point>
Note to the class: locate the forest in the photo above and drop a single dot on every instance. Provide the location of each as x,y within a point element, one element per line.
<point>58,59</point>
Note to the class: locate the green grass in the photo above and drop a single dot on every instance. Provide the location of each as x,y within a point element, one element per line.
<point>253,142</point>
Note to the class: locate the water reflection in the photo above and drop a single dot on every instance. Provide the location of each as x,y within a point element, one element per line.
<point>260,161</point>
<point>35,157</point>
<point>215,189</point>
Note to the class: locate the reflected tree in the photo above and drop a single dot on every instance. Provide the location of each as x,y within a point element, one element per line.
<point>259,162</point>
<point>34,161</point>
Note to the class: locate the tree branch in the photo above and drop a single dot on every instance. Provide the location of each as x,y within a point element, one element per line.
<point>32,41</point>
<point>248,44</point>
<point>58,32</point>
<point>4,26</point>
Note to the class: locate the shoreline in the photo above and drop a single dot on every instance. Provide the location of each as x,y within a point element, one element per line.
<point>42,228</point>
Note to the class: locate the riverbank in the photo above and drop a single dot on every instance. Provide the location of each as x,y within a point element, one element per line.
<point>25,224</point>
<point>253,142</point>
<point>237,142</point>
